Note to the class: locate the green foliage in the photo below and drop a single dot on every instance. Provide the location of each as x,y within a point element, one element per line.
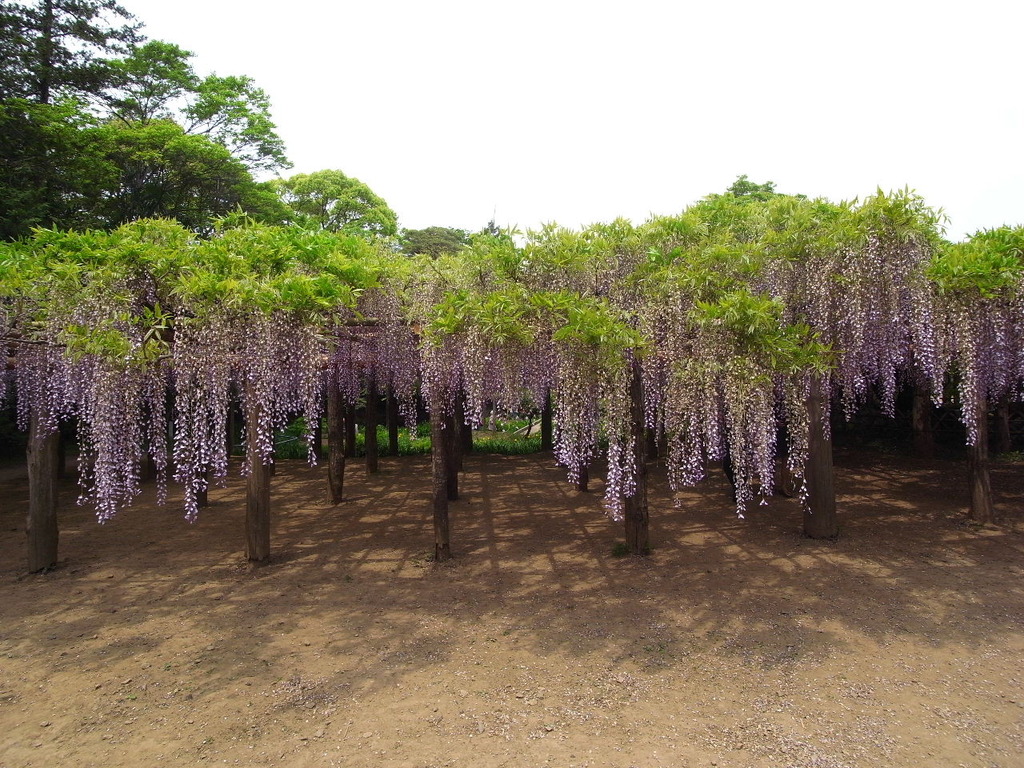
<point>156,82</point>
<point>277,269</point>
<point>754,329</point>
<point>745,188</point>
<point>49,48</point>
<point>433,241</point>
<point>51,167</point>
<point>145,84</point>
<point>333,201</point>
<point>157,170</point>
<point>988,266</point>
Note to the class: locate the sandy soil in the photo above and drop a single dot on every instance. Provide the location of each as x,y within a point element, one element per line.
<point>737,643</point>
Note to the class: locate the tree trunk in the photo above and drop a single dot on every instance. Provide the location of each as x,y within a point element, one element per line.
<point>921,422</point>
<point>635,509</point>
<point>257,493</point>
<point>41,522</point>
<point>439,466</point>
<point>547,431</point>
<point>335,444</point>
<point>46,47</point>
<point>391,417</point>
<point>981,485</point>
<point>372,408</point>
<point>1005,437</point>
<point>820,519</point>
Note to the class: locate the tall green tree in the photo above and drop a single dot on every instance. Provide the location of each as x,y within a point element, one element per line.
<point>338,203</point>
<point>54,47</point>
<point>160,171</point>
<point>51,167</point>
<point>156,81</point>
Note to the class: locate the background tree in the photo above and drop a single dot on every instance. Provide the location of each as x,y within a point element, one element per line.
<point>51,167</point>
<point>333,201</point>
<point>159,171</point>
<point>53,47</point>
<point>433,241</point>
<point>156,81</point>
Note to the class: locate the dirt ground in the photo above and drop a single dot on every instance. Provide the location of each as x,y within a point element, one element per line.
<point>736,643</point>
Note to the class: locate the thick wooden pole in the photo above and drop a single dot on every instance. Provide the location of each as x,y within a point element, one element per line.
<point>635,510</point>
<point>547,441</point>
<point>372,409</point>
<point>391,417</point>
<point>203,496</point>
<point>350,431</point>
<point>978,465</point>
<point>229,437</point>
<point>318,440</point>
<point>439,467</point>
<point>465,437</point>
<point>921,424</point>
<point>820,519</point>
<point>41,522</point>
<point>452,456</point>
<point>257,493</point>
<point>583,481</point>
<point>1005,439</point>
<point>335,444</point>
<point>61,466</point>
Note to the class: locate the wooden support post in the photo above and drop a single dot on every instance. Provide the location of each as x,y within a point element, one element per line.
<point>41,522</point>
<point>982,509</point>
<point>820,519</point>
<point>318,440</point>
<point>440,472</point>
<point>1005,439</point>
<point>547,441</point>
<point>257,493</point>
<point>583,481</point>
<point>203,496</point>
<point>335,444</point>
<point>372,409</point>
<point>635,510</point>
<point>921,424</point>
<point>350,431</point>
<point>61,464</point>
<point>391,417</point>
<point>453,456</point>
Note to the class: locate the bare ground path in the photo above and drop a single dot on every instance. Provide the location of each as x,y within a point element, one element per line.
<point>737,643</point>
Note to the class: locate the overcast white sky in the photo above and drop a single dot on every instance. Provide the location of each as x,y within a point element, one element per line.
<point>576,112</point>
